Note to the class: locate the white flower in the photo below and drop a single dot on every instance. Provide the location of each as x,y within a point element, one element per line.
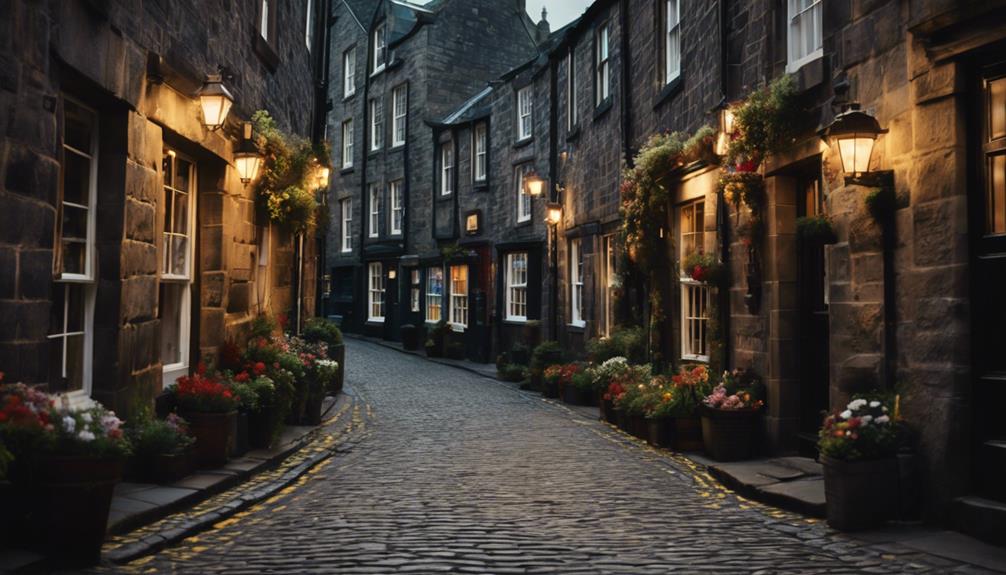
<point>69,424</point>
<point>867,419</point>
<point>86,417</point>
<point>110,422</point>
<point>874,404</point>
<point>885,409</point>
<point>85,435</point>
<point>883,419</point>
<point>856,404</point>
<point>846,414</point>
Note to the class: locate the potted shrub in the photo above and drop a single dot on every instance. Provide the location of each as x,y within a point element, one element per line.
<point>730,415</point>
<point>546,354</point>
<point>550,381</point>
<point>73,476</point>
<point>410,337</point>
<point>520,354</point>
<point>513,373</point>
<point>210,407</point>
<point>162,449</point>
<point>689,386</point>
<point>602,376</point>
<point>437,340</point>
<point>859,449</point>
<point>324,372</point>
<point>323,330</point>
<point>263,418</point>
<point>816,230</point>
<point>582,389</point>
<point>633,400</point>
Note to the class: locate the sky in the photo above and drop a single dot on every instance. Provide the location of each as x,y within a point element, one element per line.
<point>560,12</point>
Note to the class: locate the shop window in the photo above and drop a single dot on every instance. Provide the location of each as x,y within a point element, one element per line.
<point>459,297</point>
<point>434,294</point>
<point>375,293</point>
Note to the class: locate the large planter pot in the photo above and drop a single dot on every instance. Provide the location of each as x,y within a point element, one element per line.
<point>609,411</point>
<point>72,499</point>
<point>261,425</point>
<point>213,435</point>
<point>434,350</point>
<point>312,410</point>
<point>727,433</point>
<point>860,494</point>
<point>338,353</point>
<point>687,434</point>
<point>637,426</point>
<point>161,468</point>
<point>410,337</point>
<point>7,499</point>
<point>550,389</point>
<point>660,432</point>
<point>622,420</point>
<point>576,396</point>
<point>239,441</point>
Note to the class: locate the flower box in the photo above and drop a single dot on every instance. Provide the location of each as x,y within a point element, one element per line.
<point>860,494</point>
<point>161,468</point>
<point>213,436</point>
<point>74,495</point>
<point>660,432</point>
<point>687,434</point>
<point>637,426</point>
<point>728,433</point>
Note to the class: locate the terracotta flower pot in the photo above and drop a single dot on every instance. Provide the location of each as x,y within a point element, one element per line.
<point>687,434</point>
<point>213,436</point>
<point>73,496</point>
<point>727,433</point>
<point>860,494</point>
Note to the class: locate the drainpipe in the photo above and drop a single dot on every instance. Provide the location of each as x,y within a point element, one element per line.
<point>553,193</point>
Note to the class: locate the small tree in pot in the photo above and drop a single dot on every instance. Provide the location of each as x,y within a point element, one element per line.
<point>858,449</point>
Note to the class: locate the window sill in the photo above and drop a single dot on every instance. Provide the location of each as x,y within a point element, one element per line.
<point>696,358</point>
<point>346,170</point>
<point>373,153</point>
<point>377,72</point>
<point>523,223</point>
<point>265,51</point>
<point>577,327</point>
<point>515,321</point>
<point>574,134</point>
<point>442,197</point>
<point>523,143</point>
<point>794,67</point>
<point>375,322</point>
<point>457,328</point>
<point>397,147</point>
<point>669,90</point>
<point>480,186</point>
<point>603,108</point>
<point>348,97</point>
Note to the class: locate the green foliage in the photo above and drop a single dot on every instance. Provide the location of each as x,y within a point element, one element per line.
<point>285,185</point>
<point>262,326</point>
<point>513,372</point>
<point>703,267</point>
<point>545,354</point>
<point>868,429</point>
<point>152,437</point>
<point>321,329</point>
<point>816,229</point>
<point>881,203</point>
<point>766,122</point>
<point>627,342</point>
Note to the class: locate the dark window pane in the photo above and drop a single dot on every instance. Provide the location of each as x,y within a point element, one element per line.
<point>73,257</point>
<point>76,178</point>
<point>74,223</point>
<point>78,126</point>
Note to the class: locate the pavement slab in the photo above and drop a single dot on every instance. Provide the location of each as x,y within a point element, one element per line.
<point>459,473</point>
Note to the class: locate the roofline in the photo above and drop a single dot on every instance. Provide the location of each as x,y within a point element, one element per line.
<point>355,17</point>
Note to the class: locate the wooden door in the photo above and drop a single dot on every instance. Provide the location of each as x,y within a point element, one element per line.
<point>988,264</point>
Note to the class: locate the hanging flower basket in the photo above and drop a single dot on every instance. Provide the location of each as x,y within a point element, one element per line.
<point>816,230</point>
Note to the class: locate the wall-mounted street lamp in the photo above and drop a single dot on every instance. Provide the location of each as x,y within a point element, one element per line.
<point>247,158</point>
<point>321,177</point>
<point>553,213</point>
<point>216,101</point>
<point>534,185</point>
<point>728,126</point>
<point>855,133</point>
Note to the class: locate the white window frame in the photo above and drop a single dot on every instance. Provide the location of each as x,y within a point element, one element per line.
<point>447,168</point>
<point>172,371</point>
<point>309,25</point>
<point>415,289</point>
<point>346,206</point>
<point>374,201</point>
<point>797,56</point>
<point>576,283</point>
<point>459,299</point>
<point>572,111</point>
<point>480,163</point>
<point>525,113</point>
<point>376,124</point>
<point>375,292</point>
<point>399,111</point>
<point>602,64</point>
<point>516,287</point>
<point>397,211</point>
<point>347,144</point>
<point>694,295</point>
<point>263,29</point>
<point>85,281</point>
<point>434,300</point>
<point>349,72</point>
<point>524,200</point>
<point>380,47</point>
<point>672,40</point>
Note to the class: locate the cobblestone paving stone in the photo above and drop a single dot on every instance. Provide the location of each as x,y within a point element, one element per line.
<point>461,474</point>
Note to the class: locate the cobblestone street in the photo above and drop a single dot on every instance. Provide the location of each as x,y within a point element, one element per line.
<point>459,473</point>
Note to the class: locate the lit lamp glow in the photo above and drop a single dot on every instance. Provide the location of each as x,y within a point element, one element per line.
<point>727,128</point>
<point>534,185</point>
<point>553,213</point>
<point>855,132</point>
<point>216,101</point>
<point>322,176</point>
<point>247,159</point>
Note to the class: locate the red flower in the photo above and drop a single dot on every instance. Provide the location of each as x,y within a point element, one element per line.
<point>698,272</point>
<point>242,377</point>
<point>260,368</point>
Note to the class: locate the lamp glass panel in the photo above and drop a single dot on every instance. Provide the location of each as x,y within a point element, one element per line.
<point>247,167</point>
<point>554,215</point>
<point>215,109</point>
<point>855,152</point>
<point>534,186</point>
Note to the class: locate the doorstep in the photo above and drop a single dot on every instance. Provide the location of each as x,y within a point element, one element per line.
<point>791,483</point>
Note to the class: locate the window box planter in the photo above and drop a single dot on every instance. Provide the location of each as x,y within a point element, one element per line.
<point>860,494</point>
<point>727,433</point>
<point>213,436</point>
<point>660,432</point>
<point>622,420</point>
<point>8,504</point>
<point>687,434</point>
<point>73,496</point>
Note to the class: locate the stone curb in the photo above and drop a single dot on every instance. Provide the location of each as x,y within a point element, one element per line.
<point>159,541</point>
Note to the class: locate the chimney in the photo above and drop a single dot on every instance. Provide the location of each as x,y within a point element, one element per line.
<point>544,30</point>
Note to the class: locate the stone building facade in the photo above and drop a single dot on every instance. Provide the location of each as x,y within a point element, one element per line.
<point>403,183</point>
<point>128,244</point>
